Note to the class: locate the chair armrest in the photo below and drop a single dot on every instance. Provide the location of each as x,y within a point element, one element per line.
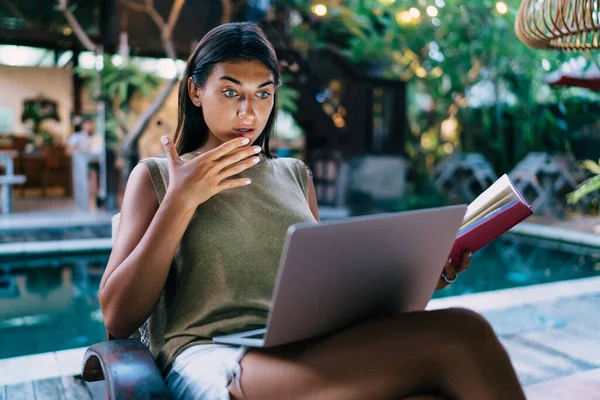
<point>128,369</point>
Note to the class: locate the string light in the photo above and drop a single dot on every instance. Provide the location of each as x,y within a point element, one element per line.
<point>501,7</point>
<point>403,18</point>
<point>421,72</point>
<point>338,120</point>
<point>99,64</point>
<point>117,60</point>
<point>546,65</point>
<point>414,12</point>
<point>432,11</point>
<point>319,10</point>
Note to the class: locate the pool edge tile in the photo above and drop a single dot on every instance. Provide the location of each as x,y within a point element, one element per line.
<point>557,233</point>
<point>70,361</point>
<point>56,246</point>
<point>520,296</point>
<point>28,368</point>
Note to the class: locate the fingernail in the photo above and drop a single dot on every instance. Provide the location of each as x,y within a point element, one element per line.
<point>470,254</point>
<point>450,260</point>
<point>248,181</point>
<point>246,141</point>
<point>255,160</point>
<point>257,149</point>
<point>164,140</point>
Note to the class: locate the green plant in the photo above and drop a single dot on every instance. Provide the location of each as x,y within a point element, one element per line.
<point>287,96</point>
<point>589,186</point>
<point>119,85</point>
<point>37,110</point>
<point>462,60</point>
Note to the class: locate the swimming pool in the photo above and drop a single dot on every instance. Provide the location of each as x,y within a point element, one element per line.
<point>50,303</point>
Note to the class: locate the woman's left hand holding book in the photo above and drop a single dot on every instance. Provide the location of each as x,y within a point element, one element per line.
<point>452,269</point>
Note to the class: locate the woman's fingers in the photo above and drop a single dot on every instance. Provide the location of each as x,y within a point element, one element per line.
<point>232,183</point>
<point>450,270</point>
<point>465,262</point>
<point>226,148</point>
<point>232,159</point>
<point>237,168</point>
<point>169,146</point>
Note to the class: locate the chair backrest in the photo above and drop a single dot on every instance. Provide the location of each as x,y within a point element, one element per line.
<point>55,157</point>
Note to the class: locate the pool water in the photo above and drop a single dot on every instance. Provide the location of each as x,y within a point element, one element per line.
<point>51,303</point>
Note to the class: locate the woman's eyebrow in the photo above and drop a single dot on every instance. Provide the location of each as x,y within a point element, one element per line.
<point>233,80</point>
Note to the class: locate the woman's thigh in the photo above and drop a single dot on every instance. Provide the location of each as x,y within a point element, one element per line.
<point>388,358</point>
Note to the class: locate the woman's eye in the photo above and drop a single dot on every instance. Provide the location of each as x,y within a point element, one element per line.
<point>230,93</point>
<point>264,95</point>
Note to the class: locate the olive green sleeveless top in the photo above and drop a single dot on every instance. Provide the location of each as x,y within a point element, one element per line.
<point>223,273</point>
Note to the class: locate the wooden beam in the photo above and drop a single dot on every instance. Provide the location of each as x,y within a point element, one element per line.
<point>40,38</point>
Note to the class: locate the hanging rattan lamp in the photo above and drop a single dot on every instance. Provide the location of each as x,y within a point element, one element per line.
<point>559,24</point>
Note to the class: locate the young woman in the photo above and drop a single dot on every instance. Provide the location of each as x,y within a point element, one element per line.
<point>198,246</point>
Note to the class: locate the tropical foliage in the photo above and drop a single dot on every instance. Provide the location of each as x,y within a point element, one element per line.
<point>120,83</point>
<point>589,186</point>
<point>472,82</point>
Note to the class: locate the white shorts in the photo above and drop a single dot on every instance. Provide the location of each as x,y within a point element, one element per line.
<point>205,372</point>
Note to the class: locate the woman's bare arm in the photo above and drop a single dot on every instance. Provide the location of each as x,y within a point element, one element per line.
<point>149,234</point>
<point>139,264</point>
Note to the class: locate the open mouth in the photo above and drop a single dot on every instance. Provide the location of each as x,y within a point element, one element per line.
<point>244,131</point>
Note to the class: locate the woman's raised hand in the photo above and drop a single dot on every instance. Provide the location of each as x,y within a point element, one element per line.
<point>451,270</point>
<point>199,179</point>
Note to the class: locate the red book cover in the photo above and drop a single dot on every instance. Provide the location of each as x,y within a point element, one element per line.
<point>482,232</point>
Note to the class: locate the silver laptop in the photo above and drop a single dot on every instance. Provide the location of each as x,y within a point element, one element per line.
<point>335,274</point>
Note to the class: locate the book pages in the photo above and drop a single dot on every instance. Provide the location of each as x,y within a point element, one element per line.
<point>490,197</point>
<point>501,201</point>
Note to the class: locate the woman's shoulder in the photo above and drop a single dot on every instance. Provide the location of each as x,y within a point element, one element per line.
<point>291,161</point>
<point>151,160</point>
<point>295,164</point>
<point>158,172</point>
<point>298,169</point>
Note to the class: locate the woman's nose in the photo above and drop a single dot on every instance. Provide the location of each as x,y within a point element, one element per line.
<point>247,109</point>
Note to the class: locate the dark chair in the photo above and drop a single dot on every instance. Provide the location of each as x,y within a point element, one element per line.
<point>125,365</point>
<point>57,169</point>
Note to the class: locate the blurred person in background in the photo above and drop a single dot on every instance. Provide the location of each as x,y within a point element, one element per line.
<point>84,140</point>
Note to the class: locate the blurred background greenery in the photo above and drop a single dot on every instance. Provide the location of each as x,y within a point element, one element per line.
<point>473,85</point>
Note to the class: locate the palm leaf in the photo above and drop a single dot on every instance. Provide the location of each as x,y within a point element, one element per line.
<point>592,166</point>
<point>587,187</point>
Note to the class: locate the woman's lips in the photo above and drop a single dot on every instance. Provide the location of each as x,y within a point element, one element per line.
<point>244,131</point>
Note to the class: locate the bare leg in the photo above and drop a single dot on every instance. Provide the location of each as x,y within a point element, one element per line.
<point>453,353</point>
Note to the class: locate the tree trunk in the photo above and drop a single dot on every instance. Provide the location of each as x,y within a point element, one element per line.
<point>129,148</point>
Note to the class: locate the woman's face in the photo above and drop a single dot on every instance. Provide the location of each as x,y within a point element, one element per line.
<point>236,100</point>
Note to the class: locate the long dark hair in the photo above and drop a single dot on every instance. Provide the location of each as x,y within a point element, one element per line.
<point>227,42</point>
